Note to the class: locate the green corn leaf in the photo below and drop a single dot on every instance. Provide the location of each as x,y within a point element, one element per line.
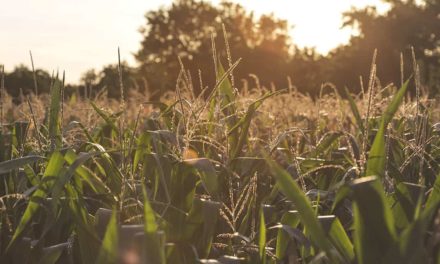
<point>408,196</point>
<point>84,129</point>
<point>290,218</point>
<point>109,249</point>
<point>52,254</point>
<point>434,196</point>
<point>375,237</point>
<point>155,251</point>
<point>55,113</point>
<point>76,166</point>
<point>149,215</point>
<point>355,111</point>
<point>142,147</point>
<point>262,238</point>
<point>307,215</point>
<point>52,170</point>
<point>201,224</point>
<point>412,241</point>
<point>31,175</point>
<point>101,220</point>
<point>377,156</point>
<point>208,174</point>
<point>325,143</point>
<point>20,132</point>
<point>110,169</point>
<point>227,103</point>
<point>109,120</point>
<point>210,212</point>
<point>76,169</point>
<point>9,165</point>
<point>224,89</point>
<point>341,240</point>
<point>226,92</point>
<point>244,123</point>
<point>88,240</point>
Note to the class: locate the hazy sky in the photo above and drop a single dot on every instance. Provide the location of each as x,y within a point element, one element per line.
<point>76,35</point>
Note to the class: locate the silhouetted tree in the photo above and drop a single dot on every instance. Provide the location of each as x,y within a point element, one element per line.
<point>108,79</point>
<point>89,78</point>
<point>407,24</point>
<point>184,30</point>
<point>307,71</point>
<point>21,79</point>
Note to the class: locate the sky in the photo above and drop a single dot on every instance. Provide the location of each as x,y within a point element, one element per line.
<point>77,35</point>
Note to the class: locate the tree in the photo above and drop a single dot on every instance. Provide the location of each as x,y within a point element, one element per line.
<point>184,31</point>
<point>21,80</point>
<point>407,24</point>
<point>93,82</point>
<point>89,78</point>
<point>306,68</point>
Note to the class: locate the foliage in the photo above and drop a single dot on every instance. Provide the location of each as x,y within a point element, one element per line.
<point>108,80</point>
<point>184,30</point>
<point>408,24</point>
<point>222,180</point>
<point>21,80</point>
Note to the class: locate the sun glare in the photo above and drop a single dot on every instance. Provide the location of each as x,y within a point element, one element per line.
<point>315,23</point>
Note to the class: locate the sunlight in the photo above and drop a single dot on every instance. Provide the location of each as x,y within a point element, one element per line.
<point>316,23</point>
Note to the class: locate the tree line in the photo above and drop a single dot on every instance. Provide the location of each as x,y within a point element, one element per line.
<point>185,33</point>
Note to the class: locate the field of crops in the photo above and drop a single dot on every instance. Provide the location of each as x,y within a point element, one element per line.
<point>255,176</point>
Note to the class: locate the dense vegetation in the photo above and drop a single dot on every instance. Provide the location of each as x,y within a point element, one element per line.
<point>256,176</point>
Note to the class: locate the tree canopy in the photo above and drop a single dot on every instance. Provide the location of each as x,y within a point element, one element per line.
<point>184,31</point>
<point>21,80</point>
<point>407,24</point>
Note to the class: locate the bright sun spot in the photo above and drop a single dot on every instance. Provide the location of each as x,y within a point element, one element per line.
<point>316,23</point>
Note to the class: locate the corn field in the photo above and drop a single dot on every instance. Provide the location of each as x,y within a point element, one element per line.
<point>227,176</point>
